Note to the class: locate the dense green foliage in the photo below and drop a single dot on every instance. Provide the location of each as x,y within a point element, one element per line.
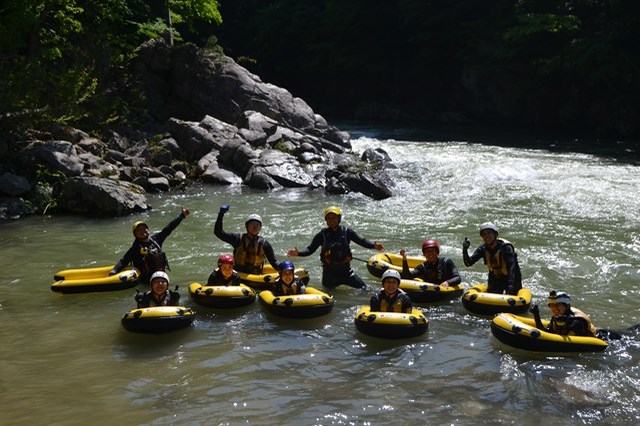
<point>60,60</point>
<point>572,65</point>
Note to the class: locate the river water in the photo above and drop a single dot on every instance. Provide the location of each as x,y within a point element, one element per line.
<point>66,360</point>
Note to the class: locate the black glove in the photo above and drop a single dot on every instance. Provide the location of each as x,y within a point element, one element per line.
<point>535,309</point>
<point>466,244</point>
<point>224,208</point>
<point>174,298</point>
<point>138,296</point>
<point>112,272</point>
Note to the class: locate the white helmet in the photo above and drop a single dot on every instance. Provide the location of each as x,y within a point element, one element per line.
<point>488,225</point>
<point>255,217</point>
<point>160,274</point>
<point>559,297</point>
<point>391,273</point>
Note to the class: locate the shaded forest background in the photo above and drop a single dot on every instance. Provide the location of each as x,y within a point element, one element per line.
<point>570,67</point>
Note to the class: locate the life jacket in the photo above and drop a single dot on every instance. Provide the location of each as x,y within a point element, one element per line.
<point>390,305</point>
<point>562,328</point>
<point>286,290</point>
<point>495,261</point>
<point>335,252</point>
<point>433,273</point>
<point>250,254</point>
<point>148,301</point>
<point>153,258</point>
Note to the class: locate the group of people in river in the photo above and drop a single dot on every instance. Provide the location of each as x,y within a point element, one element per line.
<point>251,251</point>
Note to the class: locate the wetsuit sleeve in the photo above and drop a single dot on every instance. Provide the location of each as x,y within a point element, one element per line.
<point>233,239</point>
<point>407,305</point>
<point>579,327</point>
<point>159,237</point>
<point>510,261</point>
<point>453,277</point>
<point>270,255</point>
<point>212,279</point>
<point>406,273</point>
<point>353,236</point>
<point>374,303</point>
<point>311,248</point>
<point>477,255</point>
<point>126,259</point>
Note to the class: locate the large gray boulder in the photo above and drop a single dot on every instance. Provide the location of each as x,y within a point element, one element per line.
<point>14,185</point>
<point>102,196</point>
<point>55,155</point>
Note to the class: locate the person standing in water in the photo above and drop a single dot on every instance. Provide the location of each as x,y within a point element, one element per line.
<point>500,257</point>
<point>335,254</point>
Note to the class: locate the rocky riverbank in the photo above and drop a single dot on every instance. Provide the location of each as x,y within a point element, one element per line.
<point>217,123</point>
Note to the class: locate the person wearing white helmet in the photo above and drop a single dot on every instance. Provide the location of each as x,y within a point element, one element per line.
<point>390,298</point>
<point>250,249</point>
<point>145,254</point>
<point>565,320</point>
<point>159,295</point>
<point>335,254</point>
<point>500,257</point>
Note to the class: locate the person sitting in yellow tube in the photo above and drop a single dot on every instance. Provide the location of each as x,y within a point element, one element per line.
<point>390,298</point>
<point>287,283</point>
<point>145,254</point>
<point>566,321</point>
<point>435,270</point>
<point>224,273</point>
<point>159,295</point>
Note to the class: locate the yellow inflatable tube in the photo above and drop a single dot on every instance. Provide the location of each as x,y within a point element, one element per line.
<point>521,332</point>
<point>311,304</point>
<point>83,280</point>
<point>268,277</point>
<point>478,301</point>
<point>391,325</point>
<point>380,262</point>
<point>220,296</point>
<point>158,319</point>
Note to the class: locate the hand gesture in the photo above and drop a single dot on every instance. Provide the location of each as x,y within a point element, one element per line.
<point>466,244</point>
<point>403,253</point>
<point>535,309</point>
<point>293,252</point>
<point>185,211</point>
<point>224,208</point>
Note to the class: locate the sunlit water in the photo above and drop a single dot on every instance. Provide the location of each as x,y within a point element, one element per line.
<point>65,359</point>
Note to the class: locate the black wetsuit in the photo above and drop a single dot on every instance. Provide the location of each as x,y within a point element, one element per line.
<point>442,270</point>
<point>147,256</point>
<point>243,244</point>
<point>336,255</point>
<point>216,278</point>
<point>504,270</point>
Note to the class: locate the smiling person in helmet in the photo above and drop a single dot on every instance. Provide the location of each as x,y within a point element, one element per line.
<point>287,283</point>
<point>336,253</point>
<point>224,273</point>
<point>435,269</point>
<point>390,298</point>
<point>500,257</point>
<point>249,249</point>
<point>565,320</point>
<point>159,295</point>
<point>146,253</point>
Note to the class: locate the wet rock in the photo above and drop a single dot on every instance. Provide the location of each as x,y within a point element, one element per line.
<point>102,196</point>
<point>14,185</point>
